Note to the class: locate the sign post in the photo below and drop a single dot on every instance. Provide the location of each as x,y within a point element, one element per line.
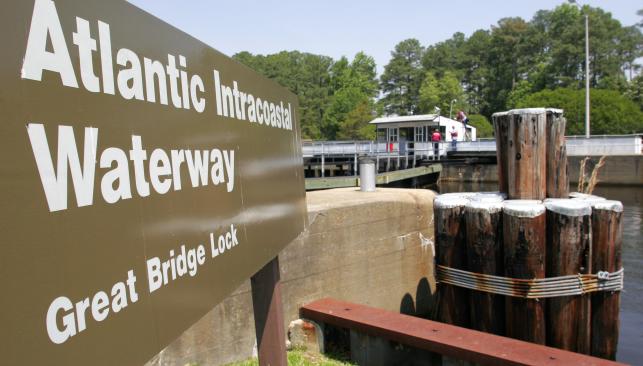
<point>139,167</point>
<point>269,316</point>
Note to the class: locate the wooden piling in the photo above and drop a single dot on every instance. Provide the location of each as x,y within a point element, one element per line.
<point>450,251</point>
<point>570,249</point>
<point>483,217</point>
<point>606,256</point>
<point>557,166</point>
<point>501,130</point>
<point>523,225</point>
<point>526,154</point>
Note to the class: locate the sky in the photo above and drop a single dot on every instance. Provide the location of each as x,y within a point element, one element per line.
<point>344,27</point>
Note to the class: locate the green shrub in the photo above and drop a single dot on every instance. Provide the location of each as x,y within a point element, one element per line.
<point>610,111</point>
<point>482,125</point>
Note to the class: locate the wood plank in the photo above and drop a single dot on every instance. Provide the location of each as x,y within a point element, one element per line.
<point>449,340</point>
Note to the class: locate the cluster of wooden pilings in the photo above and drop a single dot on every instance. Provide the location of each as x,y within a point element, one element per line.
<point>530,229</point>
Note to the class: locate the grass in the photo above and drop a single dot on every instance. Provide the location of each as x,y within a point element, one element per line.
<point>301,357</point>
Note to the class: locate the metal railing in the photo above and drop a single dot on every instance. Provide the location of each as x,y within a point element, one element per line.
<point>576,146</point>
<point>404,156</point>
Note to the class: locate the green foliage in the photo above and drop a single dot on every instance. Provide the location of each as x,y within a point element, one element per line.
<point>328,90</point>
<point>439,92</point>
<point>482,125</point>
<point>306,75</point>
<point>635,91</point>
<point>611,112</point>
<point>354,88</point>
<point>522,90</point>
<point>355,126</point>
<point>401,79</point>
<point>514,58</point>
<point>513,62</point>
<point>300,357</point>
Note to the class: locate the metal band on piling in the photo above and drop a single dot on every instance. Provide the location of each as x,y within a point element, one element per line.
<point>537,288</point>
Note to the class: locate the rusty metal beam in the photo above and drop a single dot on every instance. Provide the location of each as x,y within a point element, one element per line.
<point>269,315</point>
<point>456,342</point>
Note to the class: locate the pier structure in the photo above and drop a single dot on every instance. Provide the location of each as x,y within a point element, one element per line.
<point>333,164</point>
<point>402,142</point>
<point>560,257</point>
<point>609,145</point>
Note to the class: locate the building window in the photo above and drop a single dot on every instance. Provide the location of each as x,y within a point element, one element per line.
<point>419,134</point>
<point>392,135</point>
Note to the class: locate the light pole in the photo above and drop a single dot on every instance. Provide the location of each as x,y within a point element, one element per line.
<point>451,109</point>
<point>587,134</point>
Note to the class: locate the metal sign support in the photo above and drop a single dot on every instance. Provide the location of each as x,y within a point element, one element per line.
<point>269,317</point>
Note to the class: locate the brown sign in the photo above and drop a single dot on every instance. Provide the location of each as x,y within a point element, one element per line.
<point>144,177</point>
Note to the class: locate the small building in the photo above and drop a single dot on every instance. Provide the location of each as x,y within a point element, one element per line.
<point>402,133</point>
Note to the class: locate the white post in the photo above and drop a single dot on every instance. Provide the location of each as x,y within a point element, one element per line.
<point>367,175</point>
<point>322,160</point>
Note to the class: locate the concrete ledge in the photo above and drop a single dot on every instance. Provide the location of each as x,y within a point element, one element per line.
<point>372,248</point>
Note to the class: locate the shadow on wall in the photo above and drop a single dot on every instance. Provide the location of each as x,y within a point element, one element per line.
<point>425,304</point>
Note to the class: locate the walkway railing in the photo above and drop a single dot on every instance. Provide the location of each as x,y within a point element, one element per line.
<point>576,145</point>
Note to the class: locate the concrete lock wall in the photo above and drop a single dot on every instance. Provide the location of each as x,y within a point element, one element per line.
<point>618,170</point>
<point>370,248</point>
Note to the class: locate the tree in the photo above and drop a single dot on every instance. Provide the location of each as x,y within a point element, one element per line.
<point>400,82</point>
<point>356,124</point>
<point>354,85</point>
<point>611,112</point>
<point>476,67</point>
<point>482,125</point>
<point>613,48</point>
<point>519,92</point>
<point>306,75</point>
<point>439,92</point>
<point>429,93</point>
<point>492,70</point>
<point>635,91</point>
<point>446,56</point>
<point>508,61</point>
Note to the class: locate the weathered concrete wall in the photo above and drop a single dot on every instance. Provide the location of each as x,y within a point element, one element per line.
<point>370,248</point>
<point>618,170</point>
<point>481,173</point>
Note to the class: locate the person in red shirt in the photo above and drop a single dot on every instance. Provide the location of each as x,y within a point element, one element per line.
<point>454,138</point>
<point>436,137</point>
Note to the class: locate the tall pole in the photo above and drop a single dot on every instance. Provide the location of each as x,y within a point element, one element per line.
<point>587,134</point>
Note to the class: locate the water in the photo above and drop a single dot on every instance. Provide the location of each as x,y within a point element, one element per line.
<point>630,346</point>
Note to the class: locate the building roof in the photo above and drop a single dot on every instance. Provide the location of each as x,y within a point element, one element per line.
<point>409,120</point>
<point>398,119</point>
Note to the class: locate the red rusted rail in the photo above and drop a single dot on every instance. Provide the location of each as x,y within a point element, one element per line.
<point>456,342</point>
